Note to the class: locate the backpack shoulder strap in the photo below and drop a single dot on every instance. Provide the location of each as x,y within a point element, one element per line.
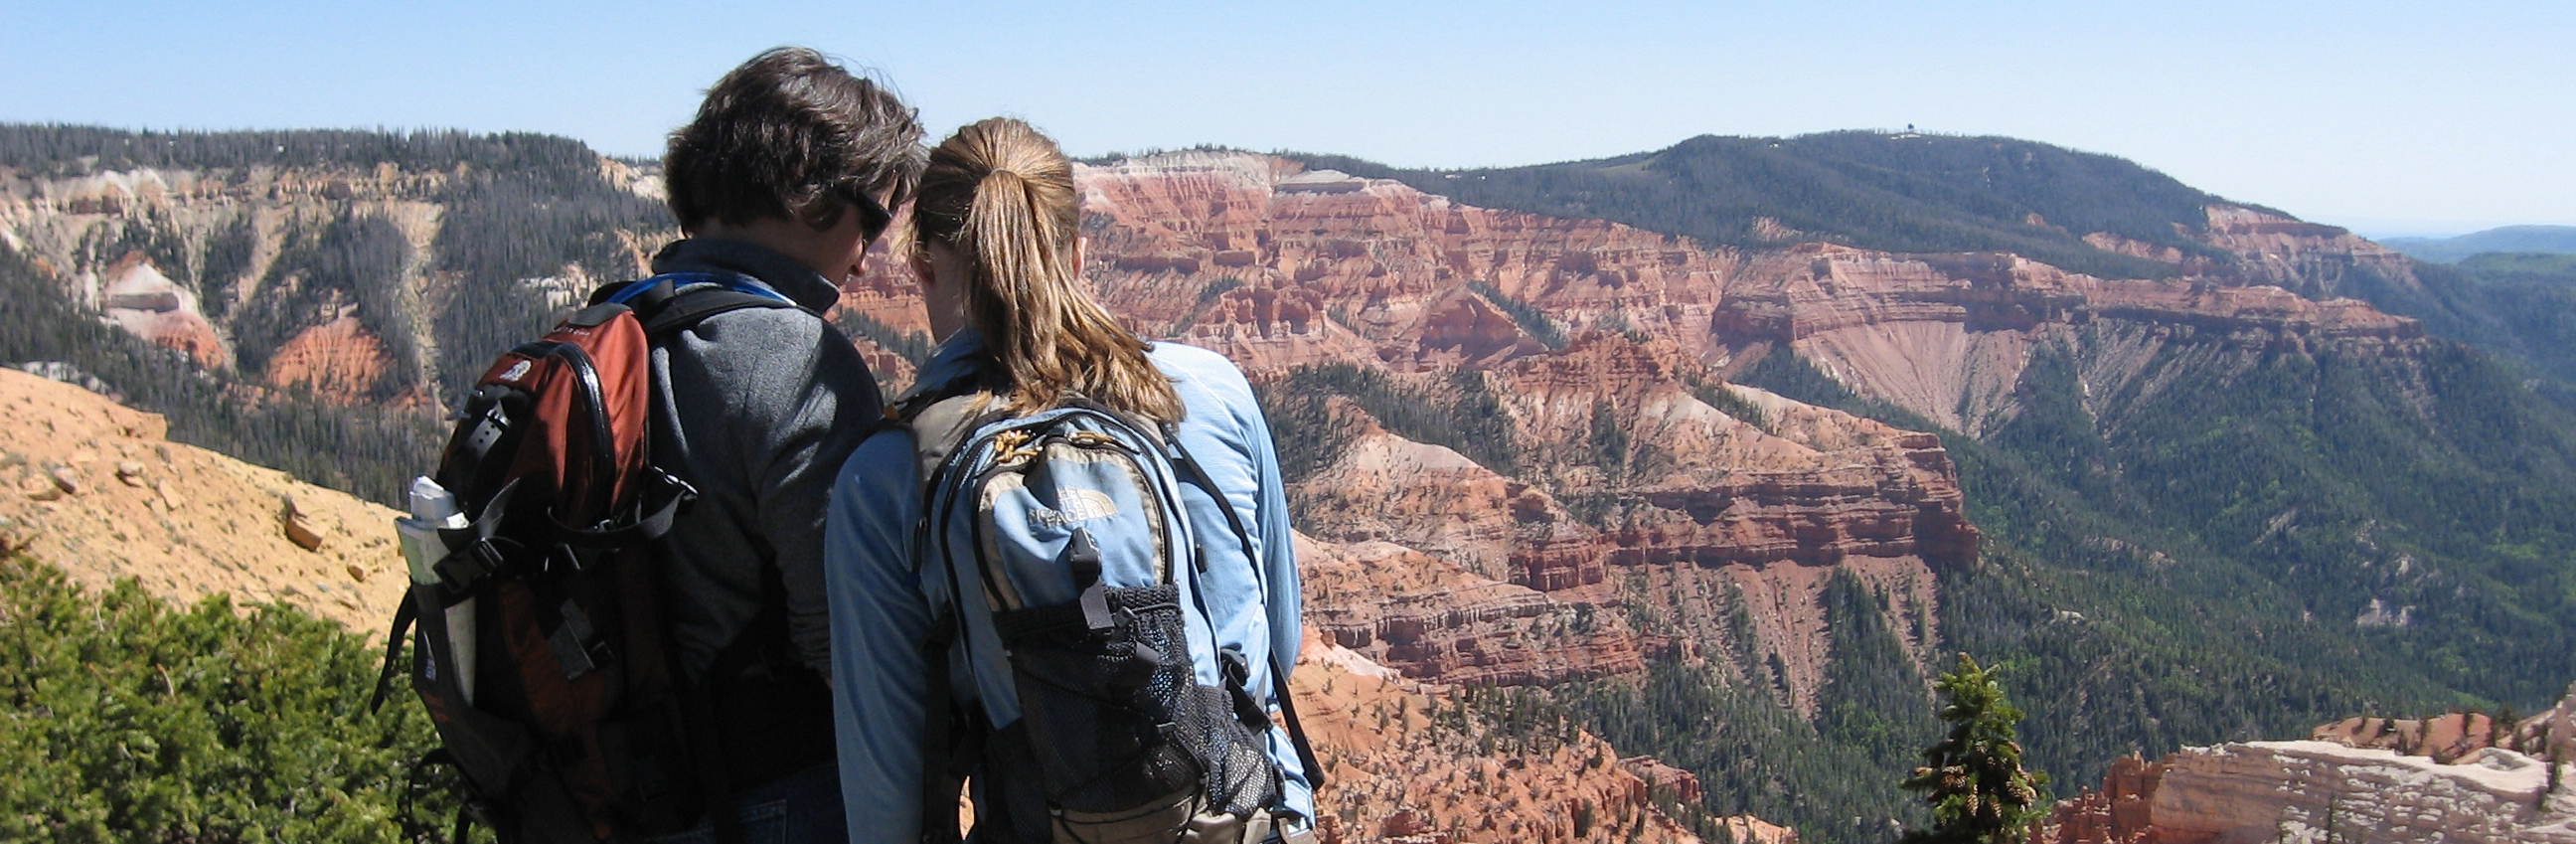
<point>950,744</point>
<point>694,307</point>
<point>675,301</point>
<point>1196,475</point>
<point>938,428</point>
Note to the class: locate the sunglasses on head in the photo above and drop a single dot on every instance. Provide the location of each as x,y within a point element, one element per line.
<point>873,216</point>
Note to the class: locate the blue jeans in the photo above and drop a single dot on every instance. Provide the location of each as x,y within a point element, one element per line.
<point>800,808</point>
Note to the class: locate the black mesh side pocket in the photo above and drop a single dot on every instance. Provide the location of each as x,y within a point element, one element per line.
<point>1240,778</point>
<point>1108,712</point>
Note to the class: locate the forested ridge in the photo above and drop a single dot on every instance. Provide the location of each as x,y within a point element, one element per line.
<point>511,208</point>
<point>1893,192</point>
<point>67,150</point>
<point>366,449</point>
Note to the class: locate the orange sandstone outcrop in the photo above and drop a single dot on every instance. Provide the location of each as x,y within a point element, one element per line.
<point>1807,484</point>
<point>1278,267</point>
<point>2121,813</point>
<point>1715,517</point>
<point>2276,250</point>
<point>337,359</point>
<point>2442,738</point>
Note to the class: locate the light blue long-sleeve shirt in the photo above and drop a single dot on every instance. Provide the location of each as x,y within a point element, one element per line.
<point>882,606</point>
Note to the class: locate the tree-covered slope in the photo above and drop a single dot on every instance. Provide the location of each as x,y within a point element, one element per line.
<point>446,248</point>
<point>2524,308</point>
<point>1900,193</point>
<point>2238,543</point>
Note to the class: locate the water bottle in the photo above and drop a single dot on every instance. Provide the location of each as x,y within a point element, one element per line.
<point>434,508</point>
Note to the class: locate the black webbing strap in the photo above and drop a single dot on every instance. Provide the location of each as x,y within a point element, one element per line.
<point>1195,474</point>
<point>652,524</point>
<point>946,756</point>
<point>940,769</point>
<point>403,618</point>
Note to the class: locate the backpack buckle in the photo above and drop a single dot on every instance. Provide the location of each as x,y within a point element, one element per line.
<point>463,570</point>
<point>576,644</point>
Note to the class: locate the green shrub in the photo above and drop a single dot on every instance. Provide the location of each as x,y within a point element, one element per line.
<point>127,720</point>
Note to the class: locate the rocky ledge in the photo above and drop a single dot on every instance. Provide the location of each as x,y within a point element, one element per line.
<point>2459,778</point>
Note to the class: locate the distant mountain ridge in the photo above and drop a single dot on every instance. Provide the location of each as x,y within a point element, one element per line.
<point>1903,192</point>
<point>2560,240</point>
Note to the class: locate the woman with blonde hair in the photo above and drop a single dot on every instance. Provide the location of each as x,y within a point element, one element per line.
<point>1109,509</point>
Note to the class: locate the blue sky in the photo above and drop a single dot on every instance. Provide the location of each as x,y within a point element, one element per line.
<point>2391,118</point>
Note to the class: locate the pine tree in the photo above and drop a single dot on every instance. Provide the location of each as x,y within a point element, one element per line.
<point>1973,777</point>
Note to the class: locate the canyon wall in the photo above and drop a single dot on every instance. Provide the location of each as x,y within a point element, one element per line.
<point>1576,327</point>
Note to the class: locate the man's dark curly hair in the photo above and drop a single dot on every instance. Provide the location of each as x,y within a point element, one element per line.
<point>790,134</point>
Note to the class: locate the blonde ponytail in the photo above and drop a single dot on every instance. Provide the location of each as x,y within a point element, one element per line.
<point>1001,194</point>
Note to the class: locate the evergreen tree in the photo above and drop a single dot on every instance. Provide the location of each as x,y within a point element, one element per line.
<point>1973,777</point>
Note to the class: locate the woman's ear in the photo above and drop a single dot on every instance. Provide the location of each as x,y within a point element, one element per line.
<point>918,260</point>
<point>944,278</point>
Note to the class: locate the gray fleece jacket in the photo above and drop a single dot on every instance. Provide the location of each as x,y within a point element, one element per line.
<point>756,408</point>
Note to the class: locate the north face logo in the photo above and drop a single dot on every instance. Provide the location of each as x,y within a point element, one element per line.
<point>1080,505</point>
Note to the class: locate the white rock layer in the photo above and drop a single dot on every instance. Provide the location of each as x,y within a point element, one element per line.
<point>2311,792</point>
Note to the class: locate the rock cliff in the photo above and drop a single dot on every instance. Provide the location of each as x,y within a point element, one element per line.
<point>339,359</point>
<point>1947,336</point>
<point>1578,327</point>
<point>208,259</point>
<point>2318,791</point>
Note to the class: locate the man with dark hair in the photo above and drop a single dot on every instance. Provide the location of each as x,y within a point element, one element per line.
<point>786,175</point>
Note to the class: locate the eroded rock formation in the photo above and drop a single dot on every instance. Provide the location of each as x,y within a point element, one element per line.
<point>1433,618</point>
<point>1406,763</point>
<point>148,304</point>
<point>337,359</point>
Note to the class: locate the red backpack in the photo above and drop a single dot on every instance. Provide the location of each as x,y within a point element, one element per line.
<point>579,726</point>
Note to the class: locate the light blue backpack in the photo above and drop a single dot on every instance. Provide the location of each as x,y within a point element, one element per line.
<point>1133,727</point>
